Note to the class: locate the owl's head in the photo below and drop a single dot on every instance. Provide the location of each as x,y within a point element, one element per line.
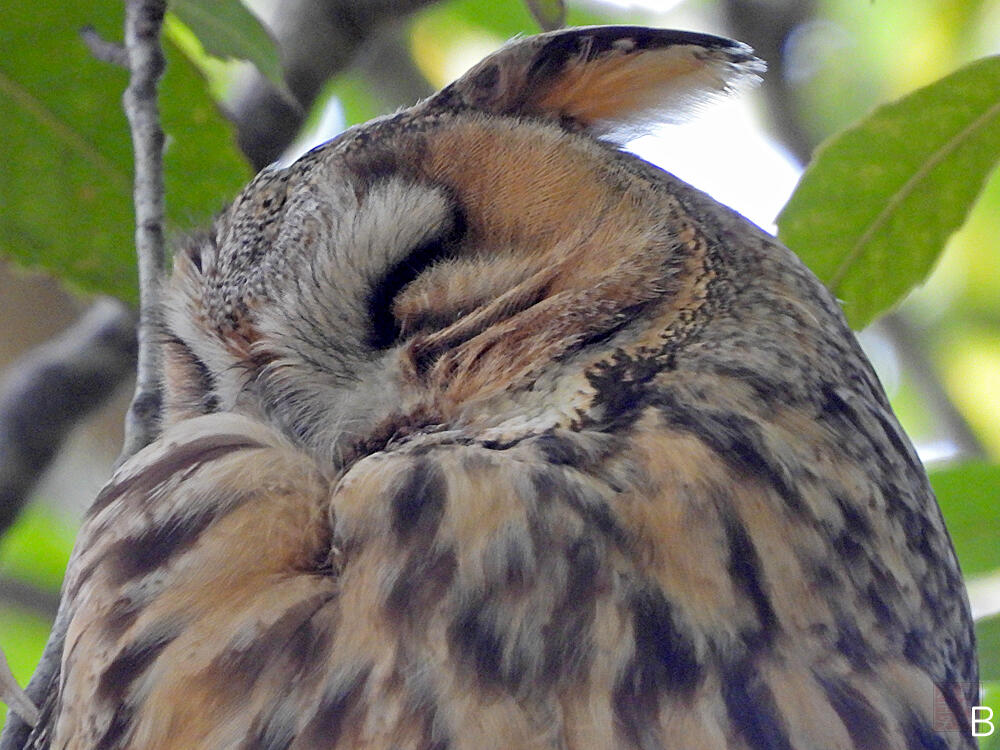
<point>478,260</point>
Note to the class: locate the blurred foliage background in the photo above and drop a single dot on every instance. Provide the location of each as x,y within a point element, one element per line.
<point>65,201</point>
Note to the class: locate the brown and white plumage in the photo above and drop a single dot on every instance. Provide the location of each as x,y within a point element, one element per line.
<point>484,434</point>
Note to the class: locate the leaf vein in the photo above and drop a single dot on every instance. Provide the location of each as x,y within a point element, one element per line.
<point>907,189</point>
<point>62,131</point>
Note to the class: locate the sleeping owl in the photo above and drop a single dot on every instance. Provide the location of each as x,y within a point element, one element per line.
<point>481,433</point>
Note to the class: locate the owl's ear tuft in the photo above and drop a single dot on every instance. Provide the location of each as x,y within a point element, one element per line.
<point>612,81</point>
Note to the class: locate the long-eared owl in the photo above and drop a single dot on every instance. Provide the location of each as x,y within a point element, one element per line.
<point>482,433</point>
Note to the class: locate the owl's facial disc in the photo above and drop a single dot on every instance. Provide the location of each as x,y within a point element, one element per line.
<point>452,252</point>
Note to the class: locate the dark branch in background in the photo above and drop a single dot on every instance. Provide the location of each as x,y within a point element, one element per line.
<point>42,397</point>
<point>900,331</point>
<point>766,25</point>
<point>48,391</point>
<point>317,39</point>
<point>549,14</point>
<point>385,61</point>
<point>143,21</point>
<point>27,596</point>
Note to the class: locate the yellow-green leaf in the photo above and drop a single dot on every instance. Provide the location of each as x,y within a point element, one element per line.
<point>875,208</point>
<point>991,699</point>
<point>969,496</point>
<point>988,645</point>
<point>36,548</point>
<point>228,29</point>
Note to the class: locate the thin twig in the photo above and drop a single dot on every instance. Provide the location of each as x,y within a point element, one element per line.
<point>904,337</point>
<point>41,690</point>
<point>143,21</point>
<point>13,696</point>
<point>102,49</point>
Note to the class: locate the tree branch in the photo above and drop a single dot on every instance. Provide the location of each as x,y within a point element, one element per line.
<point>897,327</point>
<point>11,694</point>
<point>34,599</point>
<point>42,397</point>
<point>143,21</point>
<point>49,390</point>
<point>317,39</point>
<point>41,690</point>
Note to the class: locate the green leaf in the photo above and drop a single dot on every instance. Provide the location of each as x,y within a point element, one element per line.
<point>203,167</point>
<point>988,642</point>
<point>66,181</point>
<point>36,548</point>
<point>875,208</point>
<point>991,698</point>
<point>969,496</point>
<point>228,29</point>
